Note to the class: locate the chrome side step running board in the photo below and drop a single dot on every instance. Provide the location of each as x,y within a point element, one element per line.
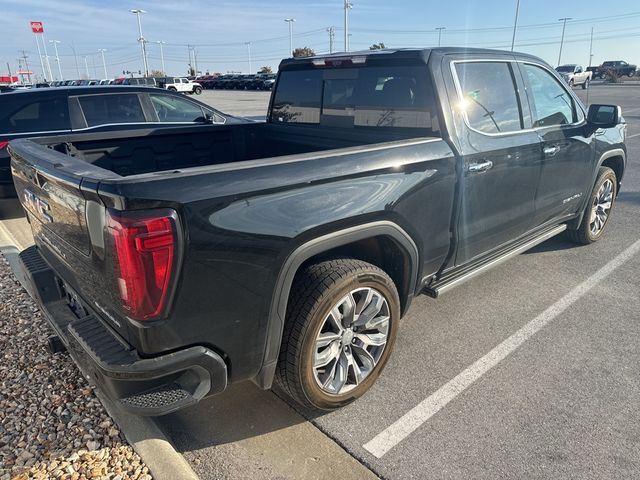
<point>455,279</point>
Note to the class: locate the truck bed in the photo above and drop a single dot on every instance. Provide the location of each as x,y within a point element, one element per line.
<point>148,151</point>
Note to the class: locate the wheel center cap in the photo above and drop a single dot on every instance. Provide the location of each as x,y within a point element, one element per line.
<point>347,336</point>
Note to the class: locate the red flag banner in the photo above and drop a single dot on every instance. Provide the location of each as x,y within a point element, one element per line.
<point>37,27</point>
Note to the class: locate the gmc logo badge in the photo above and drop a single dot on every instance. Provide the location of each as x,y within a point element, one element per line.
<point>38,205</point>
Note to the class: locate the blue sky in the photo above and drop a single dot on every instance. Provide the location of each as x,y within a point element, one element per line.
<point>220,28</point>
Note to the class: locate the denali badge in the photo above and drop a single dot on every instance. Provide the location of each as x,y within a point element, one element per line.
<point>573,197</point>
<point>38,205</point>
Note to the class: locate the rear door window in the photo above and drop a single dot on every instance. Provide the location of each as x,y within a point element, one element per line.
<point>22,114</point>
<point>111,108</point>
<point>488,96</point>
<point>396,96</point>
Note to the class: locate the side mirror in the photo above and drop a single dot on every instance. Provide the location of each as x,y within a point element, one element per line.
<point>604,116</point>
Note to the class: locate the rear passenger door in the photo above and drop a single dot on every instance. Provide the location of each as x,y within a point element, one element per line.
<point>567,154</point>
<point>501,156</point>
<point>102,110</point>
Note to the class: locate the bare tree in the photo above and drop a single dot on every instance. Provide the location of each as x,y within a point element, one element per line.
<point>265,70</point>
<point>377,46</point>
<point>304,52</point>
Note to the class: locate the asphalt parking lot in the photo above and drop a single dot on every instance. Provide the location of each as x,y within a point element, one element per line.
<point>529,371</point>
<point>560,402</point>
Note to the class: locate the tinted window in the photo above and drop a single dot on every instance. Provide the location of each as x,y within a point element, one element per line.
<point>176,109</point>
<point>551,103</point>
<point>19,115</point>
<point>362,97</point>
<point>111,108</point>
<point>489,96</point>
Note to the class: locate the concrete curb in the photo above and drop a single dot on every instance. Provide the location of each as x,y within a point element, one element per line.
<point>146,438</point>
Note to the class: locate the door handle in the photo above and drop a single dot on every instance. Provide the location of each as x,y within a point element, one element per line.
<point>480,166</point>
<point>551,151</point>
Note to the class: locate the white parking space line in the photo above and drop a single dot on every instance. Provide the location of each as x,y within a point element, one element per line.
<point>634,135</point>
<point>414,418</point>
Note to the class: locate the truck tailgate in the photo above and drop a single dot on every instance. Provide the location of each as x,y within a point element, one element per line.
<point>58,193</point>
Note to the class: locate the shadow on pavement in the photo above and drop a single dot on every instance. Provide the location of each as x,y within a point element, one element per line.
<point>10,208</point>
<point>243,411</point>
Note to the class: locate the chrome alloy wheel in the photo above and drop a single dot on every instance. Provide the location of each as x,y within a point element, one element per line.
<point>351,340</point>
<point>601,207</point>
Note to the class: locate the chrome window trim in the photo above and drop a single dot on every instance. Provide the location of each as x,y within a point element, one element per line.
<point>456,81</point>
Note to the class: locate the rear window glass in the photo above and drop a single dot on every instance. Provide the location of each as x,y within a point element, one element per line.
<point>20,115</point>
<point>398,96</point>
<point>111,108</point>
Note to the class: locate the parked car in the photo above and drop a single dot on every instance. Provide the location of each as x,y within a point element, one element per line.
<point>264,81</point>
<point>289,250</point>
<point>618,67</point>
<point>245,82</point>
<point>63,110</point>
<point>146,81</point>
<point>180,84</point>
<point>575,75</point>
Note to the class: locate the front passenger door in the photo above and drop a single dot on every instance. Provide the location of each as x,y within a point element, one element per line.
<point>567,154</point>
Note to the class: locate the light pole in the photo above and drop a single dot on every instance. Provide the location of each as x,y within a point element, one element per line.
<point>564,25</point>
<point>44,72</point>
<point>141,39</point>
<point>86,67</point>
<point>290,22</point>
<point>347,6</point>
<point>55,47</point>
<point>591,47</point>
<point>46,58</point>
<point>75,57</point>
<point>104,64</point>
<point>515,25</point>
<point>248,44</point>
<point>440,29</point>
<point>161,43</point>
<point>332,34</point>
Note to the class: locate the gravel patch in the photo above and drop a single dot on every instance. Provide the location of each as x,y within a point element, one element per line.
<point>51,423</point>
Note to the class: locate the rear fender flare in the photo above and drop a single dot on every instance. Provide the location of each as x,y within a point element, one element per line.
<point>278,309</point>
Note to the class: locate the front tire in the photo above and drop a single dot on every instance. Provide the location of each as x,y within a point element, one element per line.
<point>341,325</point>
<point>598,209</point>
<point>585,85</point>
<point>197,90</point>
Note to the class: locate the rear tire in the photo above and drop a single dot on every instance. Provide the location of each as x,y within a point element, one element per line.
<point>341,325</point>
<point>172,89</point>
<point>598,209</point>
<point>197,90</point>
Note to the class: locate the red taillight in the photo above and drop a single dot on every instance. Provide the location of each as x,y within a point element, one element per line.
<point>3,144</point>
<point>145,251</point>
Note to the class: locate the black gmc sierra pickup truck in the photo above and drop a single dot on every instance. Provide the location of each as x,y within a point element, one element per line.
<point>172,262</point>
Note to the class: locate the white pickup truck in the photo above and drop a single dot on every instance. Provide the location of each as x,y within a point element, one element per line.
<point>575,75</point>
<point>180,84</point>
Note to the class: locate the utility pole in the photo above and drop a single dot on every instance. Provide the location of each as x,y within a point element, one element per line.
<point>26,64</point>
<point>86,67</point>
<point>9,70</point>
<point>515,25</point>
<point>137,12</point>
<point>104,64</point>
<point>591,47</point>
<point>55,47</point>
<point>332,35</point>
<point>290,22</point>
<point>347,6</point>
<point>75,57</point>
<point>195,59</point>
<point>564,25</point>
<point>190,62</point>
<point>440,29</point>
<point>248,44</point>
<point>21,75</point>
<point>161,43</point>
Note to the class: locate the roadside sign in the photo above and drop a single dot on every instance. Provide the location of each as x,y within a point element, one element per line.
<point>37,27</point>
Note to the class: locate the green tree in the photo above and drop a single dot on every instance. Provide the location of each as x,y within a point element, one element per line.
<point>377,46</point>
<point>303,52</point>
<point>265,70</point>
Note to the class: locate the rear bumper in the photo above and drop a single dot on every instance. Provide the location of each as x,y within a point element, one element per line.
<point>143,386</point>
